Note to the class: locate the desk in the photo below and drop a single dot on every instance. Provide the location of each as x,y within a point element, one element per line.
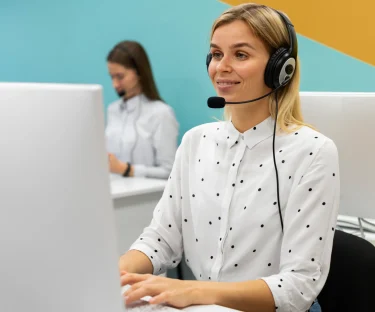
<point>134,201</point>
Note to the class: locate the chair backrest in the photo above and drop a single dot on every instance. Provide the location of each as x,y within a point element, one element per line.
<point>350,285</point>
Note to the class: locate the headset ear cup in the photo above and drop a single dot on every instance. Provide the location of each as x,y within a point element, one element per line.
<point>208,60</point>
<point>273,68</point>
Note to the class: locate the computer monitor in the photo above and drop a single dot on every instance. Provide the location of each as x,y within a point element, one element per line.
<point>348,119</point>
<point>57,232</point>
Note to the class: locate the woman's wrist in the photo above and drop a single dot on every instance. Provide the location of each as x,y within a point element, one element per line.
<point>204,293</point>
<point>121,168</point>
<point>126,171</point>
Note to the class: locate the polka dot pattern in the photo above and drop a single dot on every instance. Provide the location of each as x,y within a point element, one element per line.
<point>229,207</point>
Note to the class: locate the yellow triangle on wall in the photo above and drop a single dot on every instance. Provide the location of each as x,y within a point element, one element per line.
<point>346,26</point>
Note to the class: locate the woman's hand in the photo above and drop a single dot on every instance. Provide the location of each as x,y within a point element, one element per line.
<point>170,291</point>
<point>115,165</point>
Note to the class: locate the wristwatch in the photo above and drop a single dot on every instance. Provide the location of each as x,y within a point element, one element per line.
<point>127,171</point>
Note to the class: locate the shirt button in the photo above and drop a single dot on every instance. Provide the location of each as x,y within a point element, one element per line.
<point>242,137</point>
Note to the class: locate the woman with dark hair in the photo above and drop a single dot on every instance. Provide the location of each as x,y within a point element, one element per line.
<point>141,129</point>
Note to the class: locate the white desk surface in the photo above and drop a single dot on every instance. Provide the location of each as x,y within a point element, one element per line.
<point>124,187</point>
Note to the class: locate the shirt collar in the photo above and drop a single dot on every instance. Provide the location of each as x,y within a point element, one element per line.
<point>132,103</point>
<point>253,136</point>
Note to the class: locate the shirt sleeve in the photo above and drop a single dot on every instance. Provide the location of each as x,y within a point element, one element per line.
<point>309,224</point>
<point>165,145</point>
<point>161,241</point>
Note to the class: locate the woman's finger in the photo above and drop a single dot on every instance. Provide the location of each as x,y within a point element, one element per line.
<point>134,287</point>
<point>175,298</point>
<point>132,278</point>
<point>161,298</point>
<point>143,291</point>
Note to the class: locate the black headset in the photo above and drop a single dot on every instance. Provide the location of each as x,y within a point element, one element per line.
<point>282,63</point>
<point>125,50</point>
<point>279,71</point>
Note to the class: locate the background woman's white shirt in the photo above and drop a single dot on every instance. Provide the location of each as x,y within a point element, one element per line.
<point>144,133</point>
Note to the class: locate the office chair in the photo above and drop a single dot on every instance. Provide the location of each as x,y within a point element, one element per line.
<point>350,285</point>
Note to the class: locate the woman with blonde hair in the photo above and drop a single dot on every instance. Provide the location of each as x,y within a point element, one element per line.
<point>251,201</point>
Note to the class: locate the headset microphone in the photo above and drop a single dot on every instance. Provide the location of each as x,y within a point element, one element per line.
<point>122,47</point>
<point>219,102</point>
<point>278,73</point>
<point>121,93</point>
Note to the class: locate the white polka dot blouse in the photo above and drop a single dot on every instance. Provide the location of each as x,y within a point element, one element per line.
<point>220,207</point>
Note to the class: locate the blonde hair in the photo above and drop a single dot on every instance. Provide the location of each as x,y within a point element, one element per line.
<point>267,25</point>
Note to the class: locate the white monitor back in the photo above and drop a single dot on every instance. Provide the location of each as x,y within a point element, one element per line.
<point>57,233</point>
<point>348,119</point>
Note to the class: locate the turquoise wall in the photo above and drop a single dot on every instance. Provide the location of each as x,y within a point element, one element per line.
<point>67,41</point>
